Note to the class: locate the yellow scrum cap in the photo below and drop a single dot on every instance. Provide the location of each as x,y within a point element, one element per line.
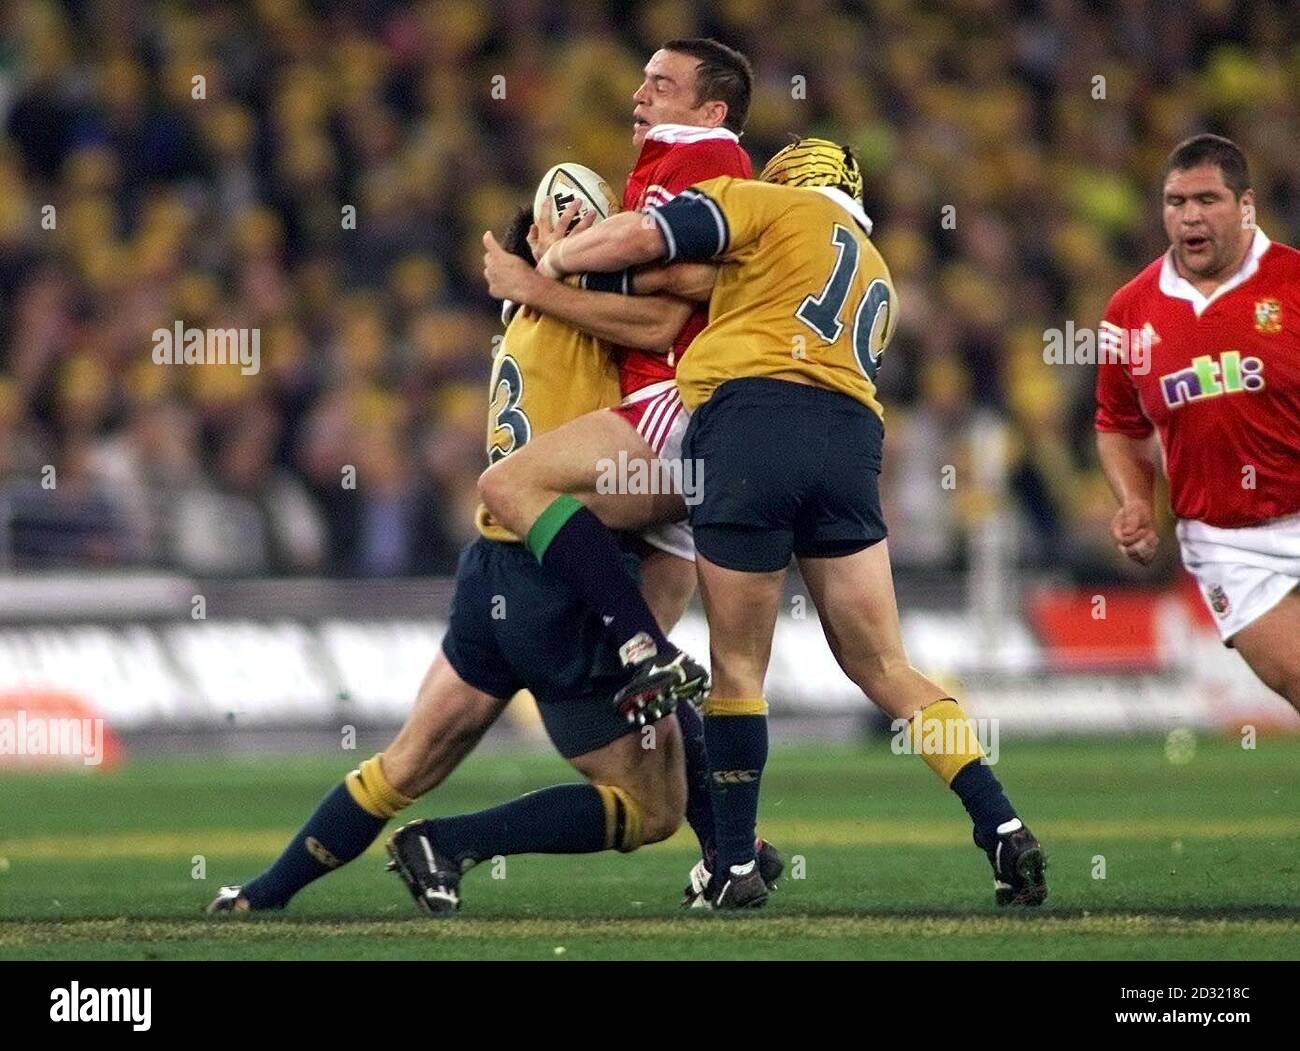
<point>815,162</point>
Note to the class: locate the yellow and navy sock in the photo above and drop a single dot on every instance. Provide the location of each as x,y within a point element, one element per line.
<point>699,802</point>
<point>563,819</point>
<point>735,733</point>
<point>952,750</point>
<point>347,821</point>
<point>576,546</point>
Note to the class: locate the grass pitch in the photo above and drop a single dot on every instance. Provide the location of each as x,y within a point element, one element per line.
<point>1201,860</point>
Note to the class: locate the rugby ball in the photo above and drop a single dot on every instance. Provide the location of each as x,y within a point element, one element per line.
<point>566,182</point>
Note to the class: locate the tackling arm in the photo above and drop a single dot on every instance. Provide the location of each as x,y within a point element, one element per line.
<point>623,240</point>
<point>647,322</point>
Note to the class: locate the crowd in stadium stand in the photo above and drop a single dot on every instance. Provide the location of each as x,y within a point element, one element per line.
<point>204,163</point>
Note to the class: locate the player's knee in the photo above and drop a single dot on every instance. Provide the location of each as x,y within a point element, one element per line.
<point>658,831</point>
<point>661,817</point>
<point>662,788</point>
<point>667,808</point>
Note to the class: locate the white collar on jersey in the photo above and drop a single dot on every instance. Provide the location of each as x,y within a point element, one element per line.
<point>848,204</point>
<point>688,133</point>
<point>1176,286</point>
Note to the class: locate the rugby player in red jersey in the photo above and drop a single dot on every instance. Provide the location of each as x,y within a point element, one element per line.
<point>687,117</point>
<point>650,421</point>
<point>1206,356</point>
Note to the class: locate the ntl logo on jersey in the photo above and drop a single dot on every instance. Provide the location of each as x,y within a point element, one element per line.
<point>1207,378</point>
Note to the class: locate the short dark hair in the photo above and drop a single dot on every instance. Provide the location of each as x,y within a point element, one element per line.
<point>515,239</point>
<point>723,74</point>
<point>1212,149</point>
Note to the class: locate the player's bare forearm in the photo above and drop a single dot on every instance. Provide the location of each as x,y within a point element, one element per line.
<point>1129,466</point>
<point>623,240</point>
<point>644,322</point>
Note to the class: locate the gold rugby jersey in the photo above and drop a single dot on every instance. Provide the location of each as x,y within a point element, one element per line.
<point>806,292</point>
<point>544,374</point>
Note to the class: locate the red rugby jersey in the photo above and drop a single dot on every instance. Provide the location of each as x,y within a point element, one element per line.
<point>673,157</point>
<point>1222,389</point>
